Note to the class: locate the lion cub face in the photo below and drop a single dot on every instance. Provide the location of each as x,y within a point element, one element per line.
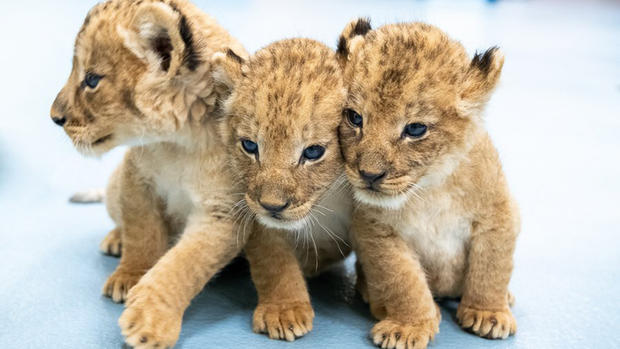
<point>129,66</point>
<point>284,114</point>
<point>413,109</point>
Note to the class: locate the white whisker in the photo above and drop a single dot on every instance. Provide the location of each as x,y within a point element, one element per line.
<point>331,235</point>
<point>316,251</point>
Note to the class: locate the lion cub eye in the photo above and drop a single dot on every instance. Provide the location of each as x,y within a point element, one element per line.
<point>249,146</point>
<point>313,152</point>
<point>354,117</point>
<point>415,130</point>
<point>91,80</point>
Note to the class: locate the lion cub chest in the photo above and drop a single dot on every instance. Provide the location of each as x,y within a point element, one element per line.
<point>438,230</point>
<point>173,175</point>
<point>176,198</point>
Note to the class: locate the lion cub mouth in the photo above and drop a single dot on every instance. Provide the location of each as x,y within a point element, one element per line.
<point>102,140</point>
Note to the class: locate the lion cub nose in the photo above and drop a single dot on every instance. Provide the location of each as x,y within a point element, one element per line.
<point>59,120</point>
<point>371,178</point>
<point>274,208</point>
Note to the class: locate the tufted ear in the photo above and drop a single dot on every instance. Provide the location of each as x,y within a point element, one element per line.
<point>480,80</point>
<point>351,38</point>
<point>228,68</point>
<point>160,35</point>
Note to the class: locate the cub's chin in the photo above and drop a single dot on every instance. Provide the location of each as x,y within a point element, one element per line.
<point>384,201</point>
<point>105,144</point>
<point>96,148</point>
<point>281,224</point>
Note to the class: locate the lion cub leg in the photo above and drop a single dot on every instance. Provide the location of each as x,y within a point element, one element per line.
<point>398,293</point>
<point>143,234</point>
<point>284,310</point>
<point>485,304</point>
<point>112,243</point>
<point>155,306</point>
<point>360,283</point>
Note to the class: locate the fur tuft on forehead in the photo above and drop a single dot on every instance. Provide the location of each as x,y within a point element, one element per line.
<point>294,78</point>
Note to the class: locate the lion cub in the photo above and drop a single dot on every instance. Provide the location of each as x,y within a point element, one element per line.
<point>436,218</point>
<point>284,112</point>
<point>142,77</point>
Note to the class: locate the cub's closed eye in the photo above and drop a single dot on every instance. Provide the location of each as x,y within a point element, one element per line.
<point>355,119</point>
<point>313,152</point>
<point>415,130</point>
<point>249,146</point>
<point>91,80</point>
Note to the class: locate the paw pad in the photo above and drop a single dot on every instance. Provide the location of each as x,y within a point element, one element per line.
<point>286,321</point>
<point>492,324</point>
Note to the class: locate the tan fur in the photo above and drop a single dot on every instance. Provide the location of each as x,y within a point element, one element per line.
<point>441,221</point>
<point>156,94</point>
<point>287,97</point>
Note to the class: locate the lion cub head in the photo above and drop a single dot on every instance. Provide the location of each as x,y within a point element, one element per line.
<point>284,112</point>
<point>138,71</point>
<point>413,110</point>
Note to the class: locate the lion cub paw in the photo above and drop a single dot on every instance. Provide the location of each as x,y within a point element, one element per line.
<point>119,283</point>
<point>149,321</point>
<point>111,244</point>
<point>391,334</point>
<point>283,321</point>
<point>487,323</point>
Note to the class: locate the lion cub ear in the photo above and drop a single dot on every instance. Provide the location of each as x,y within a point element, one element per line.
<point>352,37</point>
<point>228,68</point>
<point>156,35</point>
<point>480,80</point>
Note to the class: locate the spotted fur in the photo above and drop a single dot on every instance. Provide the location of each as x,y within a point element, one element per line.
<point>157,95</point>
<point>286,98</point>
<point>440,221</point>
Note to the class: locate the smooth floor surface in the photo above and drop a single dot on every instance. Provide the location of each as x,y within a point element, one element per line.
<point>555,120</point>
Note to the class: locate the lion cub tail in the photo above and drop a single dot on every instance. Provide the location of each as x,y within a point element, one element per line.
<point>91,196</point>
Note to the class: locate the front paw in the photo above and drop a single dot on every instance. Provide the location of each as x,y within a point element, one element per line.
<point>283,321</point>
<point>120,282</point>
<point>112,243</point>
<point>395,334</point>
<point>149,321</point>
<point>490,324</point>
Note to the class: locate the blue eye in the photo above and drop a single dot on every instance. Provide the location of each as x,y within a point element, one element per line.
<point>354,117</point>
<point>415,130</point>
<point>91,80</point>
<point>249,146</point>
<point>314,152</point>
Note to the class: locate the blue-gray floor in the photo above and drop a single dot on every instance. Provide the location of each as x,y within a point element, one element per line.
<point>555,119</point>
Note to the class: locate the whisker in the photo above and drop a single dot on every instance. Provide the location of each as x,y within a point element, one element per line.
<point>331,234</point>
<point>296,239</point>
<point>304,232</point>
<point>325,208</point>
<point>250,219</point>
<point>316,251</point>
<point>241,216</point>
